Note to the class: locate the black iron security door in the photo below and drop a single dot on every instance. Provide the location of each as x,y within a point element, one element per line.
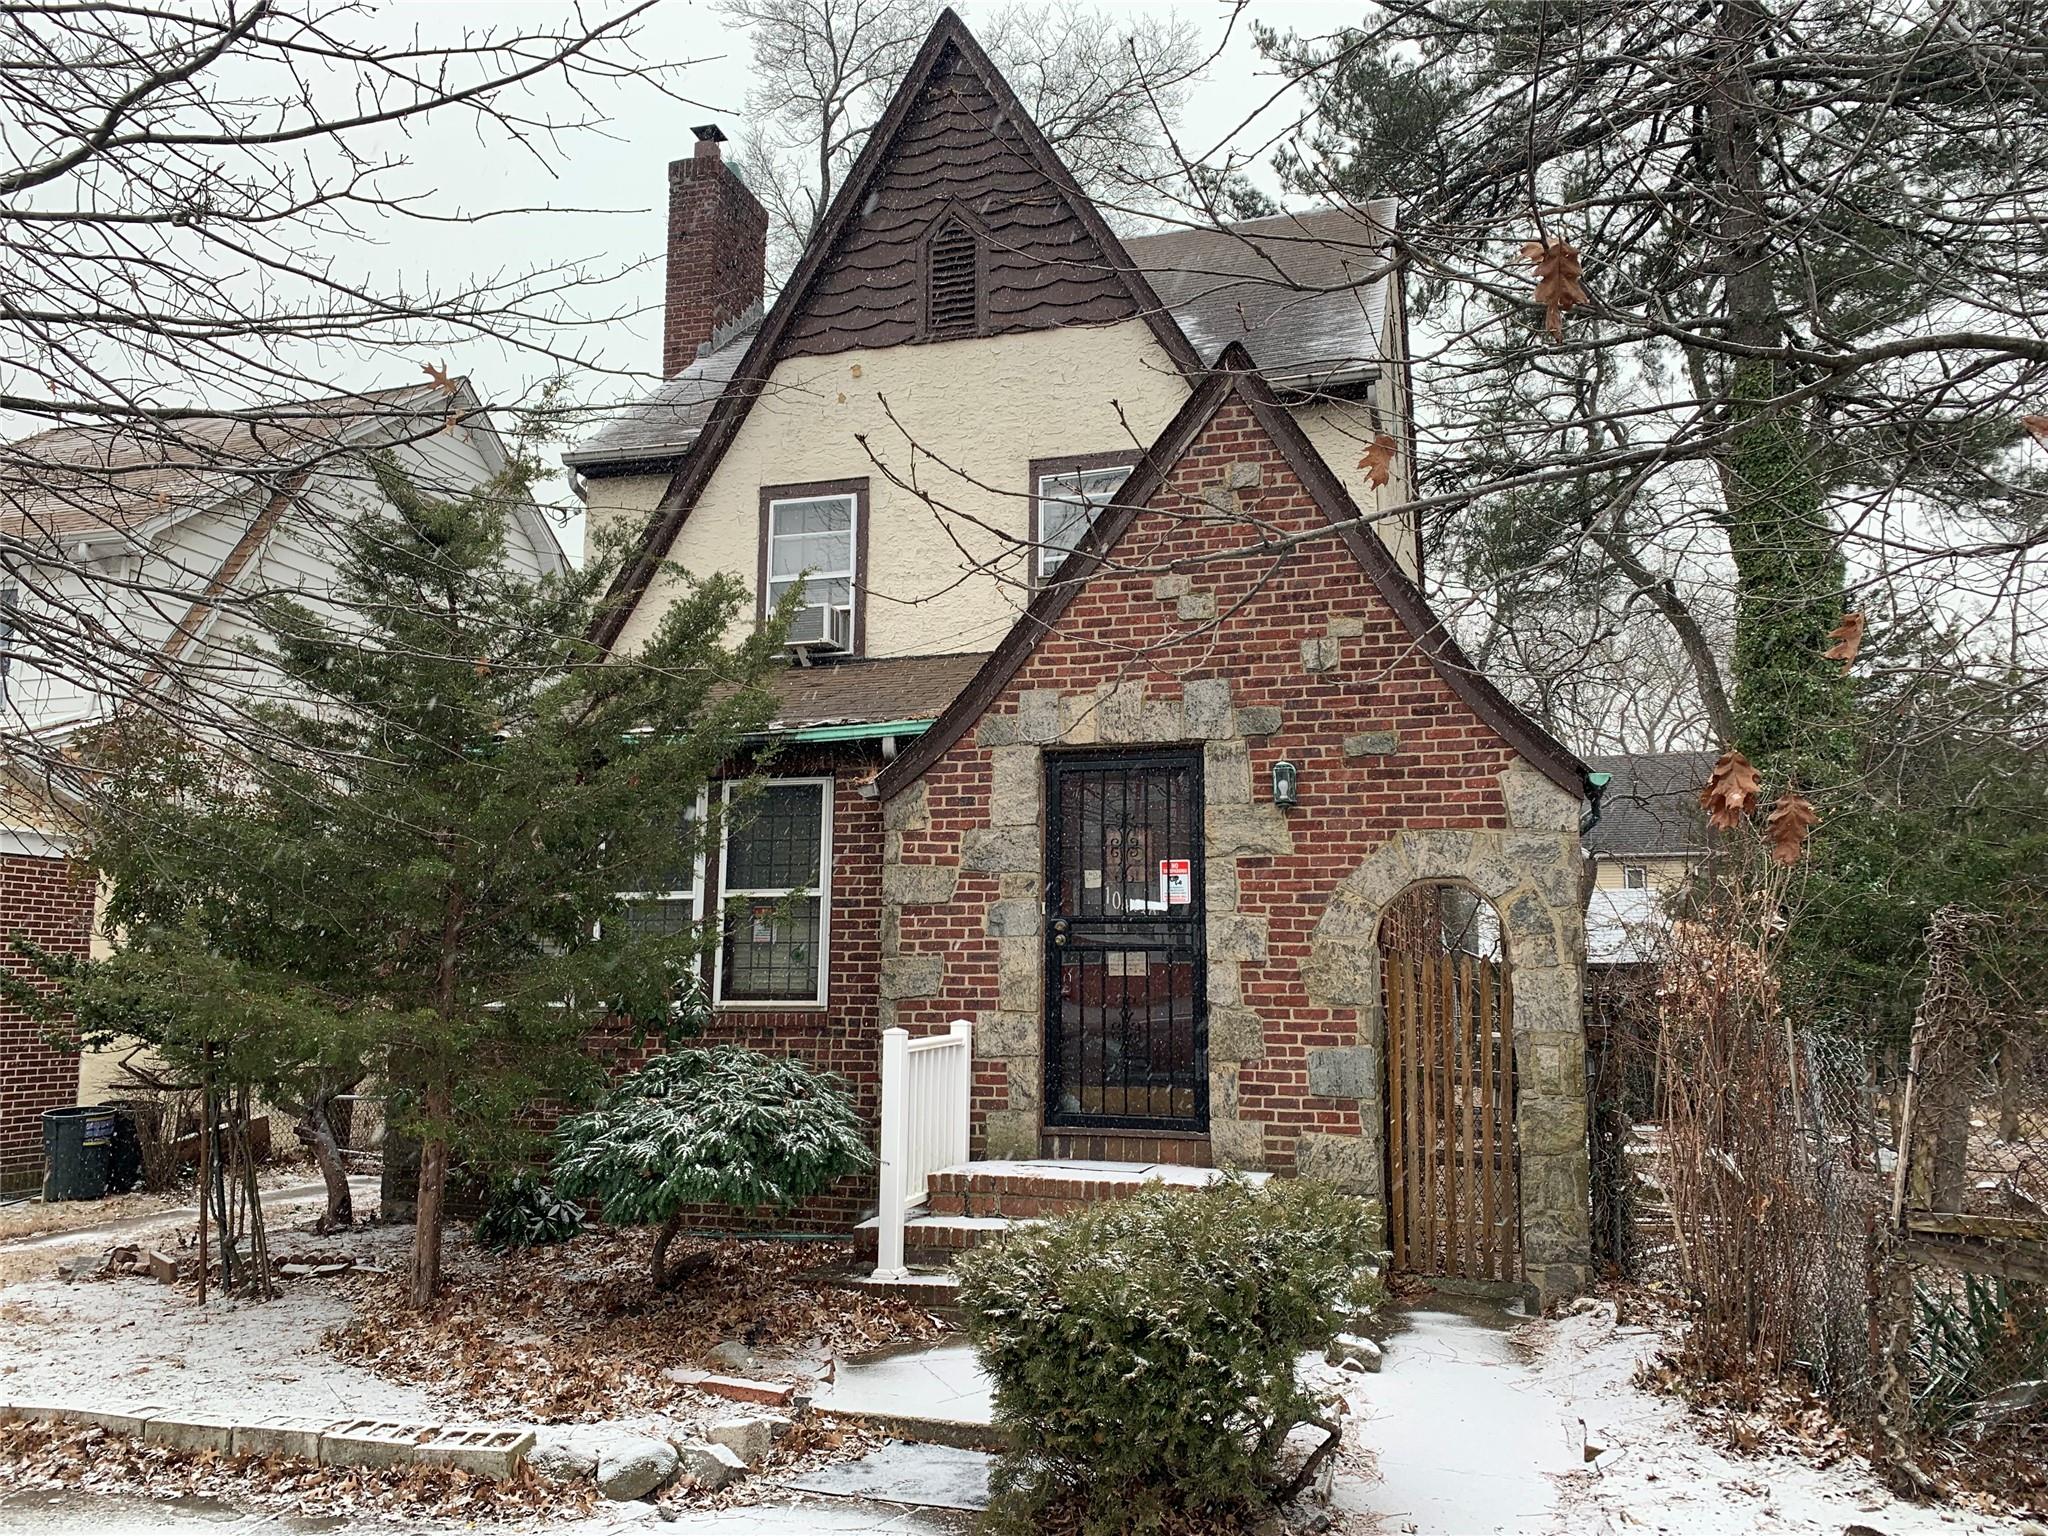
<point>1126,1026</point>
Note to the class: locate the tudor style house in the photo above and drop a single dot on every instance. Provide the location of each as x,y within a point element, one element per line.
<point>1131,809</point>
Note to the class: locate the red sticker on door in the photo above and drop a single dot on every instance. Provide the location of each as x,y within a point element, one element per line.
<point>1176,882</point>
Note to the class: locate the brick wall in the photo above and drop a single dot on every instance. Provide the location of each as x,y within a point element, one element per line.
<point>1292,656</point>
<point>844,1036</point>
<point>49,900</point>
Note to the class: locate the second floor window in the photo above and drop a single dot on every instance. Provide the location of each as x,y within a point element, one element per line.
<point>1635,877</point>
<point>1066,496</point>
<point>813,534</point>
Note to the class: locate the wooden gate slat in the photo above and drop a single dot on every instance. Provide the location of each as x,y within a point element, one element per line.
<point>1397,1164</point>
<point>1488,1154</point>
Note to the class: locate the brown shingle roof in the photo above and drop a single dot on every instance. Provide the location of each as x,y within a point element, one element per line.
<point>867,692</point>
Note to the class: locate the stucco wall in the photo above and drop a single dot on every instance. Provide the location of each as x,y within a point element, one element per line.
<point>959,422</point>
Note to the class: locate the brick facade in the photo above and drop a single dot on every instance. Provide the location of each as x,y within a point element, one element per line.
<point>1249,659</point>
<point>50,900</point>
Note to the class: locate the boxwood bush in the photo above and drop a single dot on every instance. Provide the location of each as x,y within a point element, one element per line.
<point>1143,1352</point>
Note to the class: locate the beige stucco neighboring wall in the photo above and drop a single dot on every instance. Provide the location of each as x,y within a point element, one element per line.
<point>626,501</point>
<point>1666,872</point>
<point>1342,430</point>
<point>956,422</point>
<point>960,421</point>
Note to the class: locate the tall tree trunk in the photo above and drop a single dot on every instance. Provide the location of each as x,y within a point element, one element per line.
<point>1789,574</point>
<point>433,1188</point>
<point>315,1131</point>
<point>437,1104</point>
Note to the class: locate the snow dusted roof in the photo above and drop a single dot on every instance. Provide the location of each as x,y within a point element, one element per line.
<point>1624,927</point>
<point>1304,293</point>
<point>668,420</point>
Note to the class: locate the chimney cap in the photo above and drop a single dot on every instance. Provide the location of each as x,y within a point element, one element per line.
<point>709,133</point>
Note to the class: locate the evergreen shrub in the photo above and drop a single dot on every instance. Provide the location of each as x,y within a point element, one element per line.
<point>1144,1352</point>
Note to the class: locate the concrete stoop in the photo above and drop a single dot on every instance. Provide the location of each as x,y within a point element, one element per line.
<point>489,1450</point>
<point>970,1203</point>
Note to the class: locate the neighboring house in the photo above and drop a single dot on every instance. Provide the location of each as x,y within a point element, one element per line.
<point>147,538</point>
<point>1651,835</point>
<point>1064,760</point>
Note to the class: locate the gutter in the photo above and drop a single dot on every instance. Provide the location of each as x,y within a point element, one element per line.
<point>877,730</point>
<point>1596,783</point>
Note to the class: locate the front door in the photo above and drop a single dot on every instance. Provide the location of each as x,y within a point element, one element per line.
<point>1126,1026</point>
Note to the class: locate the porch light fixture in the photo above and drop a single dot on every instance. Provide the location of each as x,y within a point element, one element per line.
<point>1284,776</point>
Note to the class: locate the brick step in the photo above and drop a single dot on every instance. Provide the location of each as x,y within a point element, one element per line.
<point>1030,1190</point>
<point>932,1239</point>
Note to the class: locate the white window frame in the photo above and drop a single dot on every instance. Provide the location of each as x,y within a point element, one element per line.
<point>1048,557</point>
<point>695,894</point>
<point>1635,877</point>
<point>851,575</point>
<point>825,786</point>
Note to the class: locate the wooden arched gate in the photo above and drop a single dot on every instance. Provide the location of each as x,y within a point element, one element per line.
<point>1453,1170</point>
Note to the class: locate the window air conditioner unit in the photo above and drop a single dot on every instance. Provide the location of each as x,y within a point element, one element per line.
<point>821,631</point>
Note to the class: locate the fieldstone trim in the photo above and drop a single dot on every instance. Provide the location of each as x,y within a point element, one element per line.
<point>1011,846</point>
<point>1530,874</point>
<point>1372,744</point>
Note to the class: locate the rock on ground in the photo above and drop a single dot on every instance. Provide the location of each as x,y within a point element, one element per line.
<point>631,1466</point>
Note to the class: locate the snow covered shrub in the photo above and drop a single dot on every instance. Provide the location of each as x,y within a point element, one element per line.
<point>718,1126</point>
<point>1143,1352</point>
<point>527,1213</point>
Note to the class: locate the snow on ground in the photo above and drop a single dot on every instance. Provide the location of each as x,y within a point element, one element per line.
<point>133,1339</point>
<point>1658,1473</point>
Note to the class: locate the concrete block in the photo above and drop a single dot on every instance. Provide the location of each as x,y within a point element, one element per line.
<point>750,1438</point>
<point>1246,476</point>
<point>489,1450</point>
<point>1206,702</point>
<point>1321,653</point>
<point>280,1435</point>
<point>183,1430</point>
<point>1173,585</point>
<point>1258,720</point>
<point>124,1419</point>
<point>1196,607</point>
<point>709,1466</point>
<point>1347,1072</point>
<point>371,1443</point>
<point>1372,744</point>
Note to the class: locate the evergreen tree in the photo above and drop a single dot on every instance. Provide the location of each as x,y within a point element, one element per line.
<point>422,841</point>
<point>1702,295</point>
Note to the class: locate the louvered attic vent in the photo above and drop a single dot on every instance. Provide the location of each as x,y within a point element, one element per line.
<point>953,281</point>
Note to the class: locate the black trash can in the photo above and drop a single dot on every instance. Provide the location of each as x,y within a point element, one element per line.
<point>77,1146</point>
<point>124,1153</point>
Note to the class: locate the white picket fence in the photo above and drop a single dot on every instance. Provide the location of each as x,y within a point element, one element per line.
<point>926,1085</point>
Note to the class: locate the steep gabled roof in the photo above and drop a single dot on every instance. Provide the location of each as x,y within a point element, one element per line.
<point>950,52</point>
<point>1651,804</point>
<point>1234,378</point>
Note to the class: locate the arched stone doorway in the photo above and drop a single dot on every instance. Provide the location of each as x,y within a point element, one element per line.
<point>1452,1154</point>
<point>1529,872</point>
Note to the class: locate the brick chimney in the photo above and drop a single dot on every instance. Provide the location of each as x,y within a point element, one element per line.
<point>717,250</point>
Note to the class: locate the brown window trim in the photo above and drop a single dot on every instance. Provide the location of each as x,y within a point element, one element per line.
<point>1066,464</point>
<point>858,490</point>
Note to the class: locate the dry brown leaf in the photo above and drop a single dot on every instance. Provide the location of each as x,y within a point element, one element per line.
<point>1848,638</point>
<point>1788,825</point>
<point>2038,425</point>
<point>1559,284</point>
<point>1378,462</point>
<point>439,375</point>
<point>1731,791</point>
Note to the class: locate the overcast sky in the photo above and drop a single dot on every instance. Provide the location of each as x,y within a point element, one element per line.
<point>621,166</point>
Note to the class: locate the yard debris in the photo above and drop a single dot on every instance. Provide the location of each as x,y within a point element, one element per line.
<point>711,1466</point>
<point>1355,1352</point>
<point>631,1466</point>
<point>575,1331</point>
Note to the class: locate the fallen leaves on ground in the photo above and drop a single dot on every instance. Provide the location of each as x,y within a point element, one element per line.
<point>85,1456</point>
<point>578,1331</point>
